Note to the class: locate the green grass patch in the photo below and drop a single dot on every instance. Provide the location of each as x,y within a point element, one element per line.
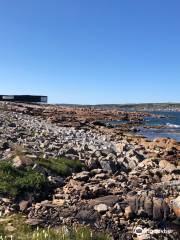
<point>17,181</point>
<point>14,182</point>
<point>61,165</point>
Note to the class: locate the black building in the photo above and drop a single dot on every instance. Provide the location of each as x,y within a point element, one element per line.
<point>24,98</point>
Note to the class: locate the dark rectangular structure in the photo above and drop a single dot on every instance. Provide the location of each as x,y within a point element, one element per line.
<point>24,98</point>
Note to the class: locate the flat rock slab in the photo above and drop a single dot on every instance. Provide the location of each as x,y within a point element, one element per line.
<point>34,222</point>
<point>109,200</point>
<point>88,216</point>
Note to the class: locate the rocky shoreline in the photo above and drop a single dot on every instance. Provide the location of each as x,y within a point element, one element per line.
<point>125,181</point>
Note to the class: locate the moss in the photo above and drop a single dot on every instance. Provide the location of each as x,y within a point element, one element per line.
<point>61,166</point>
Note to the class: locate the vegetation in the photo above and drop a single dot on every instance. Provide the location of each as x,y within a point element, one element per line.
<point>20,231</point>
<point>14,182</point>
<point>61,166</point>
<point>17,181</point>
<point>2,232</point>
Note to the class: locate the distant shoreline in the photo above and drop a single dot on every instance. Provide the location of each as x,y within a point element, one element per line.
<point>132,107</point>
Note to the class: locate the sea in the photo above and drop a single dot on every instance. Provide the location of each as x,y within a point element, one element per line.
<point>170,123</point>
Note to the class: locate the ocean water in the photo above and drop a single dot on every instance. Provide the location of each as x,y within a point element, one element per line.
<point>170,123</point>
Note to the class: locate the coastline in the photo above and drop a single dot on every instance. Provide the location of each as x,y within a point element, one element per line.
<point>120,184</point>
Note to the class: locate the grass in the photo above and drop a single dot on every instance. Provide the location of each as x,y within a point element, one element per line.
<point>61,165</point>
<point>2,232</point>
<point>24,232</point>
<point>14,182</point>
<point>17,181</point>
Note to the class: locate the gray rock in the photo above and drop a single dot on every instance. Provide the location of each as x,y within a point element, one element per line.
<point>82,176</point>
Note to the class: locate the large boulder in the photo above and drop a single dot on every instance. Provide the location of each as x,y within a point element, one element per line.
<point>133,158</point>
<point>108,165</point>
<point>88,216</point>
<point>176,206</point>
<point>147,205</point>
<point>109,200</point>
<point>167,166</point>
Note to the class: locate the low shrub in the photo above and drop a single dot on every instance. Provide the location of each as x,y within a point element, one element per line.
<point>14,182</point>
<point>17,181</point>
<point>61,165</point>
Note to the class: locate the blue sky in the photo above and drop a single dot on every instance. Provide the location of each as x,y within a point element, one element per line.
<point>91,51</point>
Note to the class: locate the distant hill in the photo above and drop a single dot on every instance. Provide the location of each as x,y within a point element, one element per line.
<point>135,107</point>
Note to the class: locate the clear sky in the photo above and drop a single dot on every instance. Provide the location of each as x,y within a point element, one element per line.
<point>91,51</point>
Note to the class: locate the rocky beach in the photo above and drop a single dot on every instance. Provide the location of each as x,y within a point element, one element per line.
<point>67,167</point>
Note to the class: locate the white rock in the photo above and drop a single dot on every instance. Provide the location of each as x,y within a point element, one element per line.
<point>101,208</point>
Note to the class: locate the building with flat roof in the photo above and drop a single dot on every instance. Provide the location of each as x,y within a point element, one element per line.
<point>24,98</point>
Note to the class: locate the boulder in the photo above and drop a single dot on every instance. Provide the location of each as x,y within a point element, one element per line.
<point>176,206</point>
<point>101,208</point>
<point>82,176</point>
<point>12,125</point>
<point>6,200</point>
<point>109,200</point>
<point>72,151</point>
<point>88,216</point>
<point>166,178</point>
<point>5,145</point>
<point>147,163</point>
<point>157,208</point>
<point>20,161</point>
<point>133,158</point>
<point>58,181</point>
<point>58,202</point>
<point>148,206</point>
<point>108,166</point>
<point>167,166</point>
<point>128,212</point>
<point>23,205</point>
<point>120,147</point>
